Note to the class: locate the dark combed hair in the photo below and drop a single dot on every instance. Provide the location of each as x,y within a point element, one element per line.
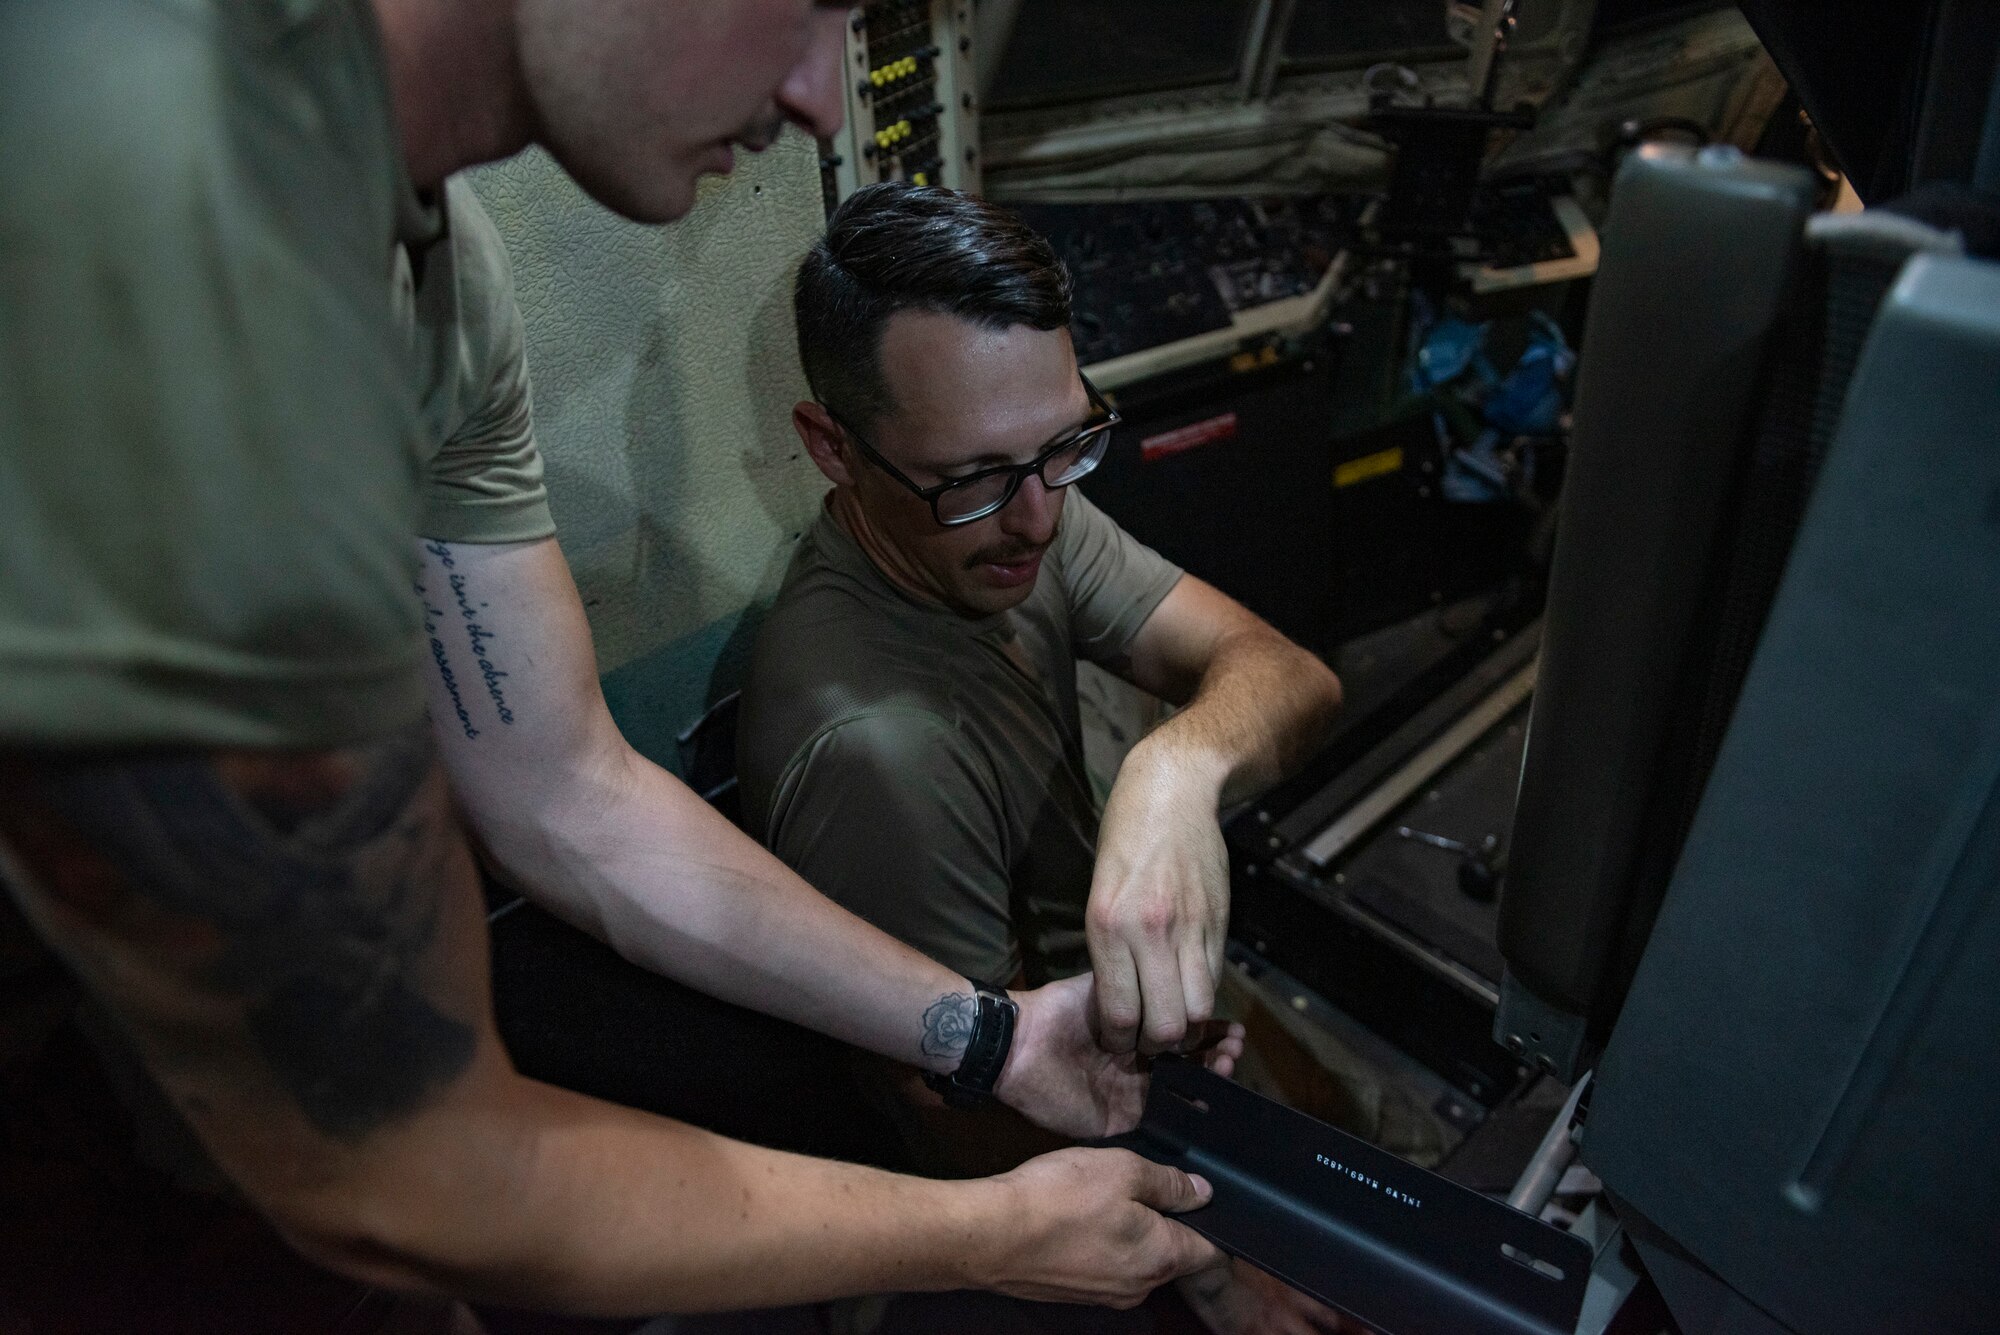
<point>896,247</point>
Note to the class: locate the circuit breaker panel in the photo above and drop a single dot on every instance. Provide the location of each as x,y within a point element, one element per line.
<point>911,110</point>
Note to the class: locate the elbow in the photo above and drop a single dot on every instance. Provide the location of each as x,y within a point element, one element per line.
<point>377,1225</point>
<point>1332,694</point>
<point>371,1236</point>
<point>1318,682</point>
<point>1322,693</point>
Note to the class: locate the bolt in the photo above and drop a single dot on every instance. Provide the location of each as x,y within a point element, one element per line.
<point>1515,1045</point>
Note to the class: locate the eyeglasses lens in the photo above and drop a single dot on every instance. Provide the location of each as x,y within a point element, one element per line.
<point>981,496</point>
<point>978,496</point>
<point>1075,459</point>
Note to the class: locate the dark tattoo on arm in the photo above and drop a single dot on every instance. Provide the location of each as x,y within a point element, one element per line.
<point>948,1024</point>
<point>318,882</point>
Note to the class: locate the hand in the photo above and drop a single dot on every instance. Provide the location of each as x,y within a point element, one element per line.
<point>1236,1298</point>
<point>1061,1077</point>
<point>1084,1226</point>
<point>1159,901</point>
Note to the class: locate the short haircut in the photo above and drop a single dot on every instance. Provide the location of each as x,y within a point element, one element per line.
<point>896,247</point>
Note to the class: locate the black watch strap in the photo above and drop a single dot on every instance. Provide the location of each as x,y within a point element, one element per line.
<point>985,1051</point>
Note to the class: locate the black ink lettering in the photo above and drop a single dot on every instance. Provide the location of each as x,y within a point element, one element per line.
<point>443,661</point>
<point>478,635</point>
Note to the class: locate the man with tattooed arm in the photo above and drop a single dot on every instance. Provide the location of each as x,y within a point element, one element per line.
<point>257,339</point>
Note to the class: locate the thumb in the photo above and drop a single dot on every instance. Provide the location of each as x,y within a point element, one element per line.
<point>1169,1189</point>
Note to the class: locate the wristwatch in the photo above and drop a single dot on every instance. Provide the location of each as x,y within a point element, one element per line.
<point>971,1085</point>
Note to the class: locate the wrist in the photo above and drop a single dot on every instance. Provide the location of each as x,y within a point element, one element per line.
<point>1192,772</point>
<point>983,1030</point>
<point>988,1215</point>
<point>1014,1073</point>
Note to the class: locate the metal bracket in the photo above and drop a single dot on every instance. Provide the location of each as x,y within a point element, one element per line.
<point>1354,1226</point>
<point>1548,1038</point>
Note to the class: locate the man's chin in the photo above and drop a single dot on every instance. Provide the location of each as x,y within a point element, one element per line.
<point>661,195</point>
<point>986,597</point>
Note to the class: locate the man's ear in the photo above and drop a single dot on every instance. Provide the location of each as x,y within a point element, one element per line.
<point>824,441</point>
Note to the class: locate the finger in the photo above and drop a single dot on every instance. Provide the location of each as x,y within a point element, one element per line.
<point>1191,1252</point>
<point>1117,995</point>
<point>1325,1319</point>
<point>1197,979</point>
<point>1165,999</point>
<point>1209,1034</point>
<point>1168,1190</point>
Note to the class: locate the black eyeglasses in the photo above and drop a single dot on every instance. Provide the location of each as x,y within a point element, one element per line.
<point>977,495</point>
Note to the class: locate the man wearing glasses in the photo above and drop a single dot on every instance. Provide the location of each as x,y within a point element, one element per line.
<point>910,738</point>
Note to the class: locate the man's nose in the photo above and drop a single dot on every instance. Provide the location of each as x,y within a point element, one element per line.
<point>812,94</point>
<point>1031,514</point>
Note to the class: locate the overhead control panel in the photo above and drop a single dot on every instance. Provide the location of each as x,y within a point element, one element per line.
<point>911,110</point>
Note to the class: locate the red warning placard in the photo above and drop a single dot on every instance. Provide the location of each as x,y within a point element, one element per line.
<point>1194,434</point>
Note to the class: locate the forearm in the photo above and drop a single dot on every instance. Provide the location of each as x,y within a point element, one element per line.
<point>1261,708</point>
<point>294,944</point>
<point>543,1198</point>
<point>576,819</point>
<point>631,855</point>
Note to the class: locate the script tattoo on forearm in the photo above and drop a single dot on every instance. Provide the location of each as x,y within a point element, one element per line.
<point>319,888</point>
<point>479,639</point>
<point>433,615</point>
<point>948,1024</point>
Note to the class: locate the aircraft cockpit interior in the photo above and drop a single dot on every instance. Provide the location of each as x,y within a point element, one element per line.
<point>1600,397</point>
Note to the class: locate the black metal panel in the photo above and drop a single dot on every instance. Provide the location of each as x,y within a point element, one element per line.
<point>1403,1249</point>
<point>1701,256</point>
<point>1244,497</point>
<point>1421,1013</point>
<point>1899,91</point>
<point>1331,34</point>
<point>1060,51</point>
<point>1803,1088</point>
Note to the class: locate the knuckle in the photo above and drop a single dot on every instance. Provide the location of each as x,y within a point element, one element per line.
<point>1121,1015</point>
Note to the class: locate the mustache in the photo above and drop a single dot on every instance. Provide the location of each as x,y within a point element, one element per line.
<point>1008,557</point>
<point>760,135</point>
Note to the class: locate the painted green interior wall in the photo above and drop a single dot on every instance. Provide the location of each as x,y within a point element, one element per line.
<point>664,373</point>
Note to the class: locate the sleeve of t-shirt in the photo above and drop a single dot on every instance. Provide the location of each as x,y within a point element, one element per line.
<point>207,445</point>
<point>1111,580</point>
<point>893,817</point>
<point>486,483</point>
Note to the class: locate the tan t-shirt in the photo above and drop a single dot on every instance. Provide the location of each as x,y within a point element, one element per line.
<point>241,369</point>
<point>925,769</point>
